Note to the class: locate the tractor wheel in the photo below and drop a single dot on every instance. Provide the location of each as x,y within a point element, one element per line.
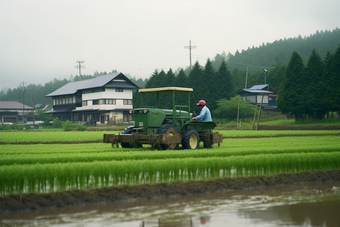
<point>128,130</point>
<point>190,140</point>
<point>169,130</point>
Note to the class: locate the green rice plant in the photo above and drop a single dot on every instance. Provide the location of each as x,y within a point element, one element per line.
<point>56,177</point>
<point>32,154</point>
<point>59,136</point>
<point>244,133</point>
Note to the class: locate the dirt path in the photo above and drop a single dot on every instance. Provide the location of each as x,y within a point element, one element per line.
<point>162,190</point>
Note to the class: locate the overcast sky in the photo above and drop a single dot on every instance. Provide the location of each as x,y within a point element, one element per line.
<point>44,39</point>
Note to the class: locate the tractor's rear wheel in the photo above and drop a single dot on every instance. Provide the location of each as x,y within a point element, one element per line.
<point>128,130</point>
<point>168,130</point>
<point>190,140</point>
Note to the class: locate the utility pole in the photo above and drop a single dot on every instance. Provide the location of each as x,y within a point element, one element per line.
<point>22,86</point>
<point>265,75</point>
<point>245,86</point>
<point>190,47</point>
<point>79,66</point>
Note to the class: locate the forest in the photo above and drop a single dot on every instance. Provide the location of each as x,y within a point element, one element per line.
<point>303,70</point>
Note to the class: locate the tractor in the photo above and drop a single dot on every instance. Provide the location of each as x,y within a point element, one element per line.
<point>166,128</point>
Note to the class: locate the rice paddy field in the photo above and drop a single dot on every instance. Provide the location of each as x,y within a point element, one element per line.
<point>42,162</point>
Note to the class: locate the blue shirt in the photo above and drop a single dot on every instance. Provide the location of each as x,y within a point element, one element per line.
<point>204,114</point>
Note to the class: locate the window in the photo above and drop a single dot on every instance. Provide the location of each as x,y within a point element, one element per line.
<point>84,103</point>
<point>119,90</point>
<point>127,101</point>
<point>128,117</point>
<point>104,101</point>
<point>111,101</point>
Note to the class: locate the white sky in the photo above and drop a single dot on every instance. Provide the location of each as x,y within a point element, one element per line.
<point>43,39</point>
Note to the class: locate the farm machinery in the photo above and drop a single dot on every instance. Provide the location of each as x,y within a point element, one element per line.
<point>166,128</point>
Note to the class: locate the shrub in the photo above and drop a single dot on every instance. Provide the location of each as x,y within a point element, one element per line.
<point>57,123</point>
<point>81,127</point>
<point>67,125</point>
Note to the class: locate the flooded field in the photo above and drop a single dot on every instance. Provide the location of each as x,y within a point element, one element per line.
<point>303,205</point>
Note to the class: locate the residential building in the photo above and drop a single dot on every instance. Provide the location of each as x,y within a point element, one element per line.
<point>14,112</point>
<point>103,100</point>
<point>260,93</point>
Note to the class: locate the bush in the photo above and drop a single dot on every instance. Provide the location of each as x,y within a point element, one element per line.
<point>227,109</point>
<point>81,127</point>
<point>4,127</point>
<point>67,125</point>
<point>57,123</point>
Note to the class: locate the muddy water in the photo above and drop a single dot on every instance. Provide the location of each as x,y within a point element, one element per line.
<point>305,205</point>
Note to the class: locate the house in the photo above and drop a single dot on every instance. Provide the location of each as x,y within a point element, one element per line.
<point>103,100</point>
<point>255,93</point>
<point>14,112</point>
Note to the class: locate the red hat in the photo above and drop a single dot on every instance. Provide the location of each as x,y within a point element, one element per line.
<point>201,103</point>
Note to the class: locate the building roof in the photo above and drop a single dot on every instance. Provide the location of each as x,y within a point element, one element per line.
<point>257,91</point>
<point>10,105</point>
<point>259,87</point>
<point>99,81</point>
<point>165,89</point>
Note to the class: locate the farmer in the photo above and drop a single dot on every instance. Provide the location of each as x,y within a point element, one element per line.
<point>205,112</point>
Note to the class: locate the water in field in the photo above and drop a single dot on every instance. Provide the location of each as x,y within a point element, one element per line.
<point>308,205</point>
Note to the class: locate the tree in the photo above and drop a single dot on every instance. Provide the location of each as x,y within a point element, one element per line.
<point>57,123</point>
<point>225,84</point>
<point>290,96</point>
<point>43,116</point>
<point>209,85</point>
<point>336,80</point>
<point>314,87</point>
<point>227,109</point>
<point>194,81</point>
<point>181,81</point>
<point>329,79</point>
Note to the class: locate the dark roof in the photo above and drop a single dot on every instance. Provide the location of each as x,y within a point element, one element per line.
<point>13,105</point>
<point>258,89</point>
<point>99,81</point>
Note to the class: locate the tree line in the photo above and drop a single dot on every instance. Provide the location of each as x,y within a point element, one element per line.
<point>311,90</point>
<point>207,83</point>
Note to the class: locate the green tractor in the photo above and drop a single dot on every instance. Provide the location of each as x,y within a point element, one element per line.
<point>166,128</point>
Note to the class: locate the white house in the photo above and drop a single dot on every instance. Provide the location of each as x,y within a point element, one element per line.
<point>103,100</point>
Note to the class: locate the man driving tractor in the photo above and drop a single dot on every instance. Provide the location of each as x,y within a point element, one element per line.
<point>205,112</point>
